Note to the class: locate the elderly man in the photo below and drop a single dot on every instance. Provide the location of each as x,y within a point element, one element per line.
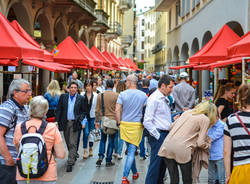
<point>157,120</point>
<point>184,94</point>
<point>129,108</point>
<point>12,112</point>
<point>69,114</point>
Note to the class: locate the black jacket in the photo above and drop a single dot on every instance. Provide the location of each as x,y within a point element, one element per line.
<point>62,111</point>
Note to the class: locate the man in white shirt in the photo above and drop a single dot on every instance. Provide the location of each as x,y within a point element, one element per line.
<point>157,120</point>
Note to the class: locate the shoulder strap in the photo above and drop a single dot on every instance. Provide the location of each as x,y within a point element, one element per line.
<point>23,128</point>
<point>102,97</point>
<point>42,127</point>
<point>242,124</point>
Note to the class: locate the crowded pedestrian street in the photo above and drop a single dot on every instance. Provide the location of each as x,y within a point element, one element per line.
<point>124,92</point>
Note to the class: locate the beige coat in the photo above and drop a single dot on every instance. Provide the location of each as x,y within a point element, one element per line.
<point>187,133</point>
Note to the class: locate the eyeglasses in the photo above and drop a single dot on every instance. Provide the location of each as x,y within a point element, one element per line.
<point>25,91</point>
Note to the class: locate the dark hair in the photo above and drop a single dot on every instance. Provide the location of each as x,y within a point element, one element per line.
<point>109,84</point>
<point>165,79</point>
<point>121,86</point>
<point>88,82</point>
<point>145,82</point>
<point>73,82</point>
<point>244,95</point>
<point>221,91</point>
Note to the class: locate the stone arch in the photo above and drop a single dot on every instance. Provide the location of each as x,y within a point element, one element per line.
<point>236,27</point>
<point>60,32</point>
<point>19,11</point>
<point>184,53</point>
<point>84,35</point>
<point>176,58</point>
<point>42,20</point>
<point>169,55</point>
<point>194,46</point>
<point>73,32</point>
<point>206,37</point>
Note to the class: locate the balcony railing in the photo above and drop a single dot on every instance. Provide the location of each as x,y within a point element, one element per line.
<point>102,17</point>
<point>126,40</point>
<point>125,4</point>
<point>88,5</point>
<point>115,28</point>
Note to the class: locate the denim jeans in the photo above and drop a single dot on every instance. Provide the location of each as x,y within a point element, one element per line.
<point>120,143</point>
<point>7,174</point>
<point>88,128</point>
<point>130,162</point>
<point>186,171</point>
<point>102,146</point>
<point>216,166</point>
<point>157,167</point>
<point>142,145</point>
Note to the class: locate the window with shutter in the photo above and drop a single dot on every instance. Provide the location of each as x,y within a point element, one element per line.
<point>183,8</point>
<point>187,6</point>
<point>193,4</point>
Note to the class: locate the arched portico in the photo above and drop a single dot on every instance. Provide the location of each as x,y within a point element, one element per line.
<point>236,27</point>
<point>194,49</point>
<point>175,60</point>
<point>59,31</point>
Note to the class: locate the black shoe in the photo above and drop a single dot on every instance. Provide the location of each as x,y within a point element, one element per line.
<point>69,168</point>
<point>109,164</point>
<point>77,155</point>
<point>99,162</point>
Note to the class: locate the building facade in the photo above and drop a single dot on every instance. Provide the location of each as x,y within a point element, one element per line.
<point>140,37</point>
<point>150,26</point>
<point>192,23</point>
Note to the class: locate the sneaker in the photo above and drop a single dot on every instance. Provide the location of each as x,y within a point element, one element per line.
<point>99,162</point>
<point>115,154</point>
<point>69,168</point>
<point>90,152</point>
<point>125,180</point>
<point>135,176</point>
<point>119,157</point>
<point>142,158</point>
<point>85,154</point>
<point>109,164</point>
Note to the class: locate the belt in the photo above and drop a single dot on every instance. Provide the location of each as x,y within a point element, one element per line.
<point>163,131</point>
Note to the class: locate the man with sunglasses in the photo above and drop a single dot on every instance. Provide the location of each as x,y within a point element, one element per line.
<point>12,112</point>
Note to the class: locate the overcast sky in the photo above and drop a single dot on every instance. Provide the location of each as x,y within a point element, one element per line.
<point>140,4</point>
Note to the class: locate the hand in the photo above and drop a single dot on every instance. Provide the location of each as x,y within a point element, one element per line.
<point>118,124</point>
<point>227,179</point>
<point>10,162</point>
<point>185,109</point>
<point>97,125</point>
<point>176,117</point>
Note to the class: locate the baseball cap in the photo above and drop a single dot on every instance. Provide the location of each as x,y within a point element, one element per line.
<point>183,75</point>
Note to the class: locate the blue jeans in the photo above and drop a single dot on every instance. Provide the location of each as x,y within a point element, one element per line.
<point>142,145</point>
<point>157,167</point>
<point>130,162</point>
<point>88,127</point>
<point>120,143</point>
<point>102,146</point>
<point>216,166</point>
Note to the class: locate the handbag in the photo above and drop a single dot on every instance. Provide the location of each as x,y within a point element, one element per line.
<point>242,124</point>
<point>108,126</point>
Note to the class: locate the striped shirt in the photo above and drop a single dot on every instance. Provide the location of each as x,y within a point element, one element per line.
<point>7,110</point>
<point>240,138</point>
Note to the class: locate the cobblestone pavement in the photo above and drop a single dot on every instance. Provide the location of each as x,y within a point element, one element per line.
<point>86,172</point>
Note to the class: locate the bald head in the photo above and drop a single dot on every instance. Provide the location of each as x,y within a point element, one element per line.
<point>131,81</point>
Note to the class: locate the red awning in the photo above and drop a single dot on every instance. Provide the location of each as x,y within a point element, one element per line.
<point>216,48</point>
<point>240,48</point>
<point>8,62</point>
<point>47,66</point>
<point>227,62</point>
<point>114,63</point>
<point>70,54</point>
<point>117,60</point>
<point>101,57</point>
<point>132,65</point>
<point>202,67</point>
<point>122,61</point>
<point>95,60</point>
<point>14,46</point>
<point>182,67</point>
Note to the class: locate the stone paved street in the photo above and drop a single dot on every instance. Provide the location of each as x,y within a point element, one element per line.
<point>86,172</point>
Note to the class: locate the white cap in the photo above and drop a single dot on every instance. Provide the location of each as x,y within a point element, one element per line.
<point>183,75</point>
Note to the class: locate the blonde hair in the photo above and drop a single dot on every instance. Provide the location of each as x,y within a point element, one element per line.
<point>54,88</point>
<point>208,109</point>
<point>38,107</point>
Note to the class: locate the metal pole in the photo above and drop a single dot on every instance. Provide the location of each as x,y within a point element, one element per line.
<point>243,70</point>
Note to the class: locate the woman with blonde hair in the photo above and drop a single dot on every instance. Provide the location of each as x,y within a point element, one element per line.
<point>187,133</point>
<point>52,96</point>
<point>237,133</point>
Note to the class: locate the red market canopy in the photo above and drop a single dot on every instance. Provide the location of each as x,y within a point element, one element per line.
<point>114,63</point>
<point>95,60</point>
<point>46,65</point>
<point>122,61</point>
<point>133,66</point>
<point>240,48</point>
<point>216,48</point>
<point>13,46</point>
<point>117,60</point>
<point>8,62</point>
<point>182,67</point>
<point>101,57</point>
<point>70,54</point>
<point>227,62</point>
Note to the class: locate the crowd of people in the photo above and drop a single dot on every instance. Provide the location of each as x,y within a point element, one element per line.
<point>155,116</point>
